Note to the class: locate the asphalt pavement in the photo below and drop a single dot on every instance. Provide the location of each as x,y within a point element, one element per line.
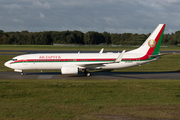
<point>94,75</point>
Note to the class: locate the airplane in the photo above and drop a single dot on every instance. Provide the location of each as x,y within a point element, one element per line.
<point>72,63</point>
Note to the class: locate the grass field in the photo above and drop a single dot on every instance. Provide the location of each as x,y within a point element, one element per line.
<point>89,99</point>
<point>54,47</point>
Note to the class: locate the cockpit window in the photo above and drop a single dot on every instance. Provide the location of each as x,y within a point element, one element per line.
<point>14,59</point>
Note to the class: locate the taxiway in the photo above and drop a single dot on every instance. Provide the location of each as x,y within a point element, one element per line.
<point>94,75</point>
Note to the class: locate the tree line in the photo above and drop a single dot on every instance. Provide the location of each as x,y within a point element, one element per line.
<point>78,37</point>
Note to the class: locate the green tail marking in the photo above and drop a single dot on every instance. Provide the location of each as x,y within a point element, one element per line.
<point>156,50</point>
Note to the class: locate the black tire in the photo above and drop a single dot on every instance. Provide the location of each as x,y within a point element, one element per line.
<point>22,74</point>
<point>88,74</point>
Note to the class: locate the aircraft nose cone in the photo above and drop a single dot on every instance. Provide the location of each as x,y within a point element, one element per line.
<point>7,64</point>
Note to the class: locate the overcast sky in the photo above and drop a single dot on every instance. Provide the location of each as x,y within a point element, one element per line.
<point>113,16</point>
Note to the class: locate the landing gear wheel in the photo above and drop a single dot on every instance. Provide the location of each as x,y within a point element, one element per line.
<point>22,74</point>
<point>88,74</point>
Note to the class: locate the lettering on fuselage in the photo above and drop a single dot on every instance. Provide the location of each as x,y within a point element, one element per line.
<point>49,57</point>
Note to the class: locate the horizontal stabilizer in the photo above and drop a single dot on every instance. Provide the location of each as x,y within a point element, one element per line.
<point>154,56</point>
<point>119,58</point>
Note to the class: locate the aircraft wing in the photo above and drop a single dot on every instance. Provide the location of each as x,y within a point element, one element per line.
<point>92,65</point>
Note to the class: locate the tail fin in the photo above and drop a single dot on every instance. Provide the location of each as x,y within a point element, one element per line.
<point>152,44</point>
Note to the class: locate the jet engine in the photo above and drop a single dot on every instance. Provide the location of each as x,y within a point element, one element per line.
<point>69,70</point>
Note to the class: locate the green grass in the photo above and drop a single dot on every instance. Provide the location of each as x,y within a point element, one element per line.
<point>12,52</point>
<point>51,47</point>
<point>89,99</point>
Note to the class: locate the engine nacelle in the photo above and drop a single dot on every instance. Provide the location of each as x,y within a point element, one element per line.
<point>69,70</point>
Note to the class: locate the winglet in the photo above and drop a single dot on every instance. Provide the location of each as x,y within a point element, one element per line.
<point>119,58</point>
<point>101,50</point>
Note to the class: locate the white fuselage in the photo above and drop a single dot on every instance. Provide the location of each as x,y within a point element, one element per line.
<point>81,60</point>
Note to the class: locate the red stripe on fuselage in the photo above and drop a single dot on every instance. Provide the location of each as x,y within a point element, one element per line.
<point>63,60</point>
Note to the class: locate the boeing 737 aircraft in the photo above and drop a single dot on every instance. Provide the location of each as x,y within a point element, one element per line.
<point>72,63</point>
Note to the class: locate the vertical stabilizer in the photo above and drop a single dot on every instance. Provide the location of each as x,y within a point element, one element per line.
<point>152,44</point>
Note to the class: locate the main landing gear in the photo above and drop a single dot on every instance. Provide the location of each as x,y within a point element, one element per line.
<point>22,73</point>
<point>87,73</point>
